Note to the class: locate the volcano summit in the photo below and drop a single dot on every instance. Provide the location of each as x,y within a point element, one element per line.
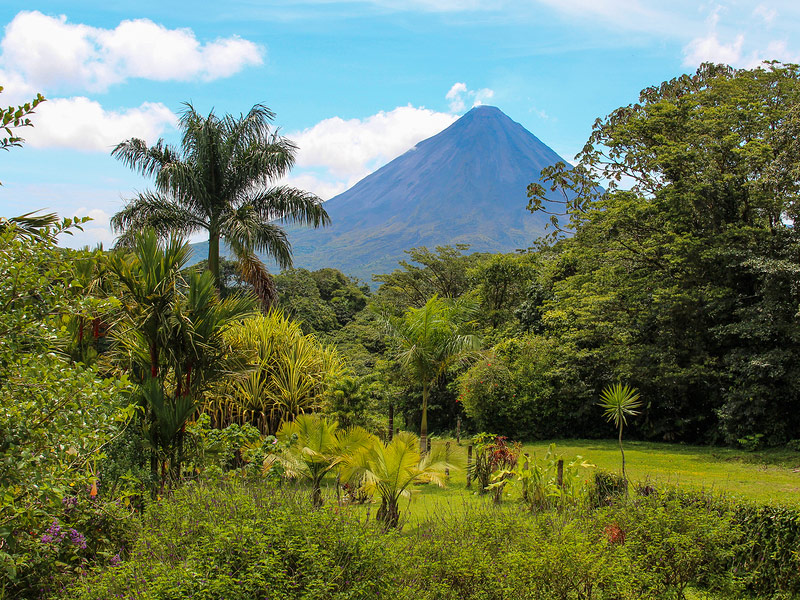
<point>467,184</point>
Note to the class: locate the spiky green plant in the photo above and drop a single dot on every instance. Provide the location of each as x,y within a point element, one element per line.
<point>316,447</point>
<point>391,469</point>
<point>619,402</point>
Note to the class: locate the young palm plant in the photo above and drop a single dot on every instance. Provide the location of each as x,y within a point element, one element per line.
<point>317,447</point>
<point>391,469</point>
<point>620,402</point>
<point>220,180</point>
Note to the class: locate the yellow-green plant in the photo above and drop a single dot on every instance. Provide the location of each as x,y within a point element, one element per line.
<point>391,469</point>
<point>289,375</point>
<point>316,447</point>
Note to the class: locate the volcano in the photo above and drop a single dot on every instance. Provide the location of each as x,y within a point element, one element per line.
<point>465,185</point>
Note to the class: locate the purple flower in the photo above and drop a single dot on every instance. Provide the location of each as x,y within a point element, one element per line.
<point>77,539</point>
<point>114,560</point>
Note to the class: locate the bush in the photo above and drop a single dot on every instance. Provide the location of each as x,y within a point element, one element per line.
<point>239,541</point>
<point>675,544</point>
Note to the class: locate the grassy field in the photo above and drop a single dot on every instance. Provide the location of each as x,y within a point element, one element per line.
<point>769,476</point>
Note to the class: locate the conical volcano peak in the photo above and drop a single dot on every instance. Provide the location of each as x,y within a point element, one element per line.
<point>467,184</point>
<point>484,114</point>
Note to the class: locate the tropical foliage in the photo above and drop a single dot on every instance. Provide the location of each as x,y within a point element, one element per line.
<point>289,375</point>
<point>315,447</point>
<point>170,339</point>
<point>389,470</point>
<point>429,340</point>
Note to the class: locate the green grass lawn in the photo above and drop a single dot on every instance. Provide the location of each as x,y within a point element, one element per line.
<point>768,476</point>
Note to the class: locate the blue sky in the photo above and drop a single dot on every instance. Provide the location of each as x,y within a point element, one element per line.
<point>354,84</point>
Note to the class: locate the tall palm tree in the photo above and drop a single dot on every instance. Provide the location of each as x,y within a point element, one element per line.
<point>430,340</point>
<point>221,180</point>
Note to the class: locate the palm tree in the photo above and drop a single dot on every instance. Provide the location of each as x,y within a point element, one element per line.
<point>171,338</point>
<point>391,469</point>
<point>317,446</point>
<point>219,181</point>
<point>619,402</point>
<point>430,340</point>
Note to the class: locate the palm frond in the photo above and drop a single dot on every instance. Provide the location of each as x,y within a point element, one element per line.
<point>153,210</point>
<point>289,205</point>
<point>144,159</point>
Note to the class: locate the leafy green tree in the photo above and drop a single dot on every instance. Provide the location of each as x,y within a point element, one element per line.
<point>429,340</point>
<point>391,469</point>
<point>46,401</point>
<point>442,273</point>
<point>217,181</point>
<point>317,447</point>
<point>618,403</point>
<point>667,284</point>
<point>501,281</point>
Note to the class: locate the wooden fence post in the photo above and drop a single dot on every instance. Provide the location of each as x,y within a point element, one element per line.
<point>560,476</point>
<point>458,431</point>
<point>469,465</point>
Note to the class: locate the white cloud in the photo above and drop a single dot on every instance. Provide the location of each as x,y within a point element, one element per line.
<point>324,188</point>
<point>766,13</point>
<point>455,95</point>
<point>708,48</point>
<point>744,45</point>
<point>49,53</point>
<point>459,95</point>
<point>349,149</point>
<point>83,124</point>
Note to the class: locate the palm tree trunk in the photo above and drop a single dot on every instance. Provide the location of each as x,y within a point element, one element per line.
<point>213,255</point>
<point>316,493</point>
<point>423,428</point>
<point>388,513</point>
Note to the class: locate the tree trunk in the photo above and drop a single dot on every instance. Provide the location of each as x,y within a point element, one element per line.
<point>388,513</point>
<point>423,428</point>
<point>624,475</point>
<point>213,255</point>
<point>316,494</point>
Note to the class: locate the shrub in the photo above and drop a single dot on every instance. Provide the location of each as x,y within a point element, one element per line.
<point>675,544</point>
<point>492,453</point>
<point>502,554</point>
<point>240,541</point>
